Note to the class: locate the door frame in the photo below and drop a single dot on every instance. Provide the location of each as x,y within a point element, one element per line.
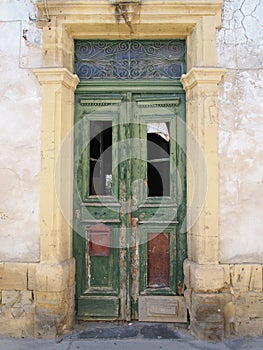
<point>196,21</point>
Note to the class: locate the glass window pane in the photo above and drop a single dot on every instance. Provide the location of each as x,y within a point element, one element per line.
<point>100,158</point>
<point>158,159</point>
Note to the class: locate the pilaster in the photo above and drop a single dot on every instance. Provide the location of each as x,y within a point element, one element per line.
<point>54,277</point>
<point>201,85</point>
<point>58,86</point>
<point>205,280</point>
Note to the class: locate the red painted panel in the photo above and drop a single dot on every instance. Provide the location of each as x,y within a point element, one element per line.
<point>99,240</point>
<point>158,260</point>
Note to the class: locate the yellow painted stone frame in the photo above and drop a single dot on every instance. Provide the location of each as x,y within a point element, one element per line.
<point>193,20</point>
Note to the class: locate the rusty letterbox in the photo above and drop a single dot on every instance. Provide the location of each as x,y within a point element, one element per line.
<point>99,240</point>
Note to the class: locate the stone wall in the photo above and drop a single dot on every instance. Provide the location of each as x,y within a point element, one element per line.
<point>36,300</point>
<point>225,300</point>
<point>17,305</point>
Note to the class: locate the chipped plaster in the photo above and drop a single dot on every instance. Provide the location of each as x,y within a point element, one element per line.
<point>240,50</point>
<point>20,109</point>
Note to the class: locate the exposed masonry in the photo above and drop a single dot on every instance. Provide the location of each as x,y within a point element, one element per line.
<point>16,304</point>
<point>230,296</point>
<point>227,299</point>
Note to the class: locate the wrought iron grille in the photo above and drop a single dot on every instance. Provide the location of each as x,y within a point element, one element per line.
<point>147,59</point>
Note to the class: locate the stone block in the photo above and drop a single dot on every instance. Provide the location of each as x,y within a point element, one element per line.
<point>207,316</point>
<point>246,278</point>
<point>71,309</point>
<point>10,298</point>
<point>17,304</point>
<point>31,276</point>
<point>249,306</point>
<point>17,327</point>
<point>54,296</point>
<point>26,297</point>
<point>249,328</point>
<point>204,250</point>
<point>248,320</point>
<point>72,272</point>
<point>68,268</point>
<point>14,276</point>
<point>208,278</point>
<point>208,307</point>
<point>54,313</point>
<point>207,331</point>
<point>50,299</point>
<point>52,277</point>
<point>1,270</point>
<point>187,265</point>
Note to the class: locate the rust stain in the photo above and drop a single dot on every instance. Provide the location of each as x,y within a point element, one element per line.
<point>180,288</point>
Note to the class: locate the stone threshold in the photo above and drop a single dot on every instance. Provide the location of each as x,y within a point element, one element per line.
<point>125,330</point>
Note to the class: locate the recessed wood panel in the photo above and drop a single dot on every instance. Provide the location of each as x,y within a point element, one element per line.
<point>158,260</point>
<point>98,307</point>
<point>162,309</point>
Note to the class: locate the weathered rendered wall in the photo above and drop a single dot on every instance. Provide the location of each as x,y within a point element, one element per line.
<point>240,51</point>
<point>20,110</point>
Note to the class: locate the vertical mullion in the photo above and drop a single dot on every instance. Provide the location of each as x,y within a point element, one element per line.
<point>85,159</point>
<point>102,165</point>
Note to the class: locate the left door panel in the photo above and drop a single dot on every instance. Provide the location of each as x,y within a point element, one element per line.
<point>97,220</point>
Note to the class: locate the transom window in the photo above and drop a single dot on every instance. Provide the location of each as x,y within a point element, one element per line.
<point>132,59</point>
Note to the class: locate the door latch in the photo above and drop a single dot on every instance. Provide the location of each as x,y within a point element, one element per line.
<point>77,214</point>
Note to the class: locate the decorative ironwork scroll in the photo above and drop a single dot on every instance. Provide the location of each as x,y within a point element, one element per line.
<point>147,59</point>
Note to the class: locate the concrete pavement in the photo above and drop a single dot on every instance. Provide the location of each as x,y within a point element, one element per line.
<point>133,336</point>
<point>130,344</point>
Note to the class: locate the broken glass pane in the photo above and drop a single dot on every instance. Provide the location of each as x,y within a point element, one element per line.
<point>158,159</point>
<point>100,158</point>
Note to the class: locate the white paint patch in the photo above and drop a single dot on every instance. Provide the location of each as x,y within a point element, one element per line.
<point>240,50</point>
<point>20,111</point>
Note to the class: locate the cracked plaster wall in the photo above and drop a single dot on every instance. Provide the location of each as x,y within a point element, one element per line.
<point>240,131</point>
<point>240,51</point>
<point>20,111</point>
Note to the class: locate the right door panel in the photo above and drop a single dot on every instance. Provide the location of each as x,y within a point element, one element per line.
<point>159,205</point>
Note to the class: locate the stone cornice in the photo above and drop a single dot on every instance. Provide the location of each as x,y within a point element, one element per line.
<point>57,76</point>
<point>202,75</point>
<point>151,11</point>
<point>198,7</point>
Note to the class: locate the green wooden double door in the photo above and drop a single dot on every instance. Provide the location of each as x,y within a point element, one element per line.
<point>130,202</point>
